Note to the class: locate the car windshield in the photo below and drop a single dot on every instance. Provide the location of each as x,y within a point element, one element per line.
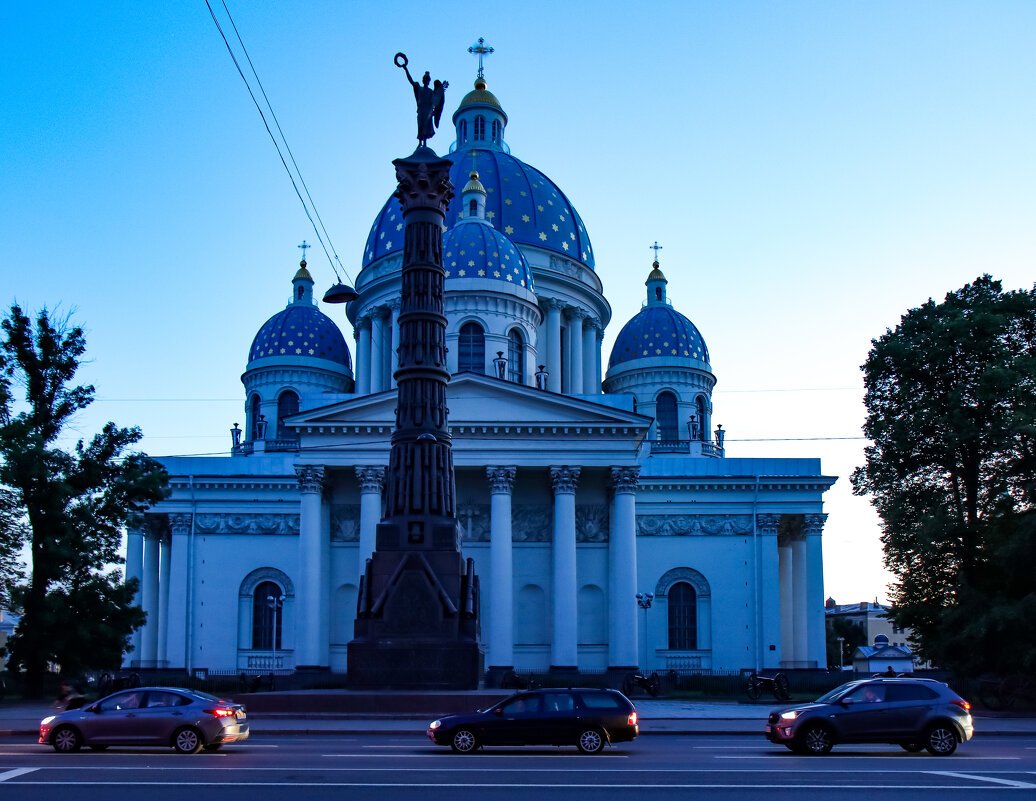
<point>833,695</point>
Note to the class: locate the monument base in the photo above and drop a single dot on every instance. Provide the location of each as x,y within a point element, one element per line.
<point>414,665</point>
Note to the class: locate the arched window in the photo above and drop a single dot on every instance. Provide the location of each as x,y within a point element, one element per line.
<point>658,293</point>
<point>480,128</point>
<point>496,130</point>
<point>462,131</point>
<point>472,348</point>
<point>253,413</point>
<point>267,609</point>
<point>473,208</point>
<point>665,416</point>
<point>515,357</point>
<point>699,405</point>
<point>683,617</point>
<point>287,405</point>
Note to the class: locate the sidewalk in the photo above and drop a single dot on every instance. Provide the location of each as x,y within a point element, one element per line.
<point>657,716</point>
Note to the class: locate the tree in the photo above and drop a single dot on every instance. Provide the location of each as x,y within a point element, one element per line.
<point>852,635</point>
<point>70,505</point>
<point>951,412</point>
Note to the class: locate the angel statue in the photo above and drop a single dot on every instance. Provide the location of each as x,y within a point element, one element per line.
<point>430,100</point>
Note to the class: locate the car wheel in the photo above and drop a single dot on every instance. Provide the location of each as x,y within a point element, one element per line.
<point>941,740</point>
<point>187,740</point>
<point>66,739</point>
<point>464,741</point>
<point>213,746</point>
<point>590,741</point>
<point>913,748</point>
<point>98,748</point>
<point>816,740</point>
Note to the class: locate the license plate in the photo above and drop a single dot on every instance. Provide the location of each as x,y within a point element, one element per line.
<point>241,716</point>
<point>769,729</point>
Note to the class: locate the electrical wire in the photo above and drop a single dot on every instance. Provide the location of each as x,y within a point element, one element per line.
<point>276,144</point>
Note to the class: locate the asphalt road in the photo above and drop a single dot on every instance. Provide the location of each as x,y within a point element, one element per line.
<point>395,768</point>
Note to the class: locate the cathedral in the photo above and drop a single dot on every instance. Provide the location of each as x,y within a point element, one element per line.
<point>607,526</point>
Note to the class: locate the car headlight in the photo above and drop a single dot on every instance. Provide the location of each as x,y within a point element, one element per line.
<point>791,715</point>
<point>435,724</point>
<point>46,720</point>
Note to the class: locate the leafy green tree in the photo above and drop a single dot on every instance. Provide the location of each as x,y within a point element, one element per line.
<point>71,505</point>
<point>853,635</point>
<point>951,412</point>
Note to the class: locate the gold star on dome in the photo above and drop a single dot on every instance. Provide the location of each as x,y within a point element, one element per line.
<point>543,237</point>
<point>399,226</point>
<point>463,253</point>
<point>490,215</point>
<point>561,217</point>
<point>572,237</point>
<point>496,273</point>
<point>508,277</point>
<point>481,253</point>
<point>508,230</point>
<point>388,245</point>
<point>525,218</point>
<point>674,351</point>
<point>523,193</point>
<point>481,272</point>
<point>447,273</point>
<point>489,189</point>
<point>554,226</point>
<point>311,351</point>
<point>462,273</point>
<point>507,201</point>
<point>445,229</point>
<point>496,254</point>
<point>471,262</point>
<point>298,351</point>
<point>539,208</point>
<point>564,245</point>
<point>381,235</point>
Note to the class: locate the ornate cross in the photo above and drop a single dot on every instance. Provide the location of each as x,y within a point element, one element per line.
<point>304,247</point>
<point>479,49</point>
<point>655,247</point>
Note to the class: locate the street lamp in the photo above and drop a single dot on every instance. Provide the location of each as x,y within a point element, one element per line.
<point>276,603</point>
<point>644,601</point>
<point>841,651</point>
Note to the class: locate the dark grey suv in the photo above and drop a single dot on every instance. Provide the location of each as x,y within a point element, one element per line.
<point>915,714</point>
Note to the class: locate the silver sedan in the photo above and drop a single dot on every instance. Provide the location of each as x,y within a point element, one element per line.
<point>187,720</point>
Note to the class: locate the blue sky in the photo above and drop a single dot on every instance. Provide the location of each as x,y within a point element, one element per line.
<point>812,170</point>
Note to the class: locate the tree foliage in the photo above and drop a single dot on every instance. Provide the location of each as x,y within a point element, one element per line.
<point>951,412</point>
<point>69,505</point>
<point>853,635</point>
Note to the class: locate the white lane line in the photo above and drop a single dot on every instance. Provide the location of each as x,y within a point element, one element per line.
<point>10,774</point>
<point>1008,782</point>
<point>519,786</point>
<point>856,755</point>
<point>440,755</point>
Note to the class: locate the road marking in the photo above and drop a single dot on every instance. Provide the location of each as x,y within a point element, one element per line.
<point>855,755</point>
<point>1008,782</point>
<point>520,786</point>
<point>10,774</point>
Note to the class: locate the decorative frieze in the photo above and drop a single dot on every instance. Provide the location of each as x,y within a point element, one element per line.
<point>693,525</point>
<point>230,523</point>
<point>474,519</point>
<point>592,523</point>
<point>532,523</point>
<point>345,522</point>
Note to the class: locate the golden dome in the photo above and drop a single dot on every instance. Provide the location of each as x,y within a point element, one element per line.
<point>656,273</point>
<point>303,273</point>
<point>480,95</point>
<point>474,185</point>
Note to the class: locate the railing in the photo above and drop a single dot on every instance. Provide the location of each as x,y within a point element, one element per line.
<point>266,660</point>
<point>265,445</point>
<point>684,446</point>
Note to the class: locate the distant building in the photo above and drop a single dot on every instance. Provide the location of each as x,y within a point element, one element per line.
<point>8,623</point>
<point>880,630</point>
<point>882,657</point>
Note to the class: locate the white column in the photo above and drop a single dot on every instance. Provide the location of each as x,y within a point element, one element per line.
<point>575,350</point>
<point>787,601</point>
<point>800,600</point>
<point>622,579</point>
<point>377,349</point>
<point>590,358</point>
<point>179,560</point>
<point>149,655</point>
<point>135,570</point>
<point>372,484</point>
<point>363,356</point>
<point>565,590</point>
<point>163,602</point>
<point>554,344</point>
<point>393,342</point>
<point>501,600</point>
<point>769,613</point>
<point>815,623</point>
<point>310,589</point>
<point>599,375</point>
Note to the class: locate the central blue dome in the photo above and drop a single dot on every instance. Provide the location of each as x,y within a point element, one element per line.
<point>472,249</point>
<point>521,202</point>
<point>658,331</point>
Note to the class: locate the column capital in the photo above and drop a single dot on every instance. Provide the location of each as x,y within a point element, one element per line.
<point>564,479</point>
<point>310,476</point>
<point>575,314</point>
<point>363,322</point>
<point>180,523</point>
<point>553,304</point>
<point>394,305</point>
<point>625,479</point>
<point>767,523</point>
<point>813,524</point>
<point>501,479</point>
<point>371,478</point>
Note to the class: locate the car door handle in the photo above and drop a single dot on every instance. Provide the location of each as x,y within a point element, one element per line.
<point>178,714</point>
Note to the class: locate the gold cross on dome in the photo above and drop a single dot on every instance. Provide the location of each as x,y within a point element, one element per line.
<point>303,247</point>
<point>479,49</point>
<point>655,247</point>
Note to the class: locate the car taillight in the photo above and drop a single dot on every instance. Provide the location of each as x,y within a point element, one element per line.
<point>962,704</point>
<point>220,713</point>
<point>632,719</point>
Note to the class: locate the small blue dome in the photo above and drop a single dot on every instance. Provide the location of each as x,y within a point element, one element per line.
<point>476,250</point>
<point>301,330</point>
<point>658,331</point>
<point>521,202</point>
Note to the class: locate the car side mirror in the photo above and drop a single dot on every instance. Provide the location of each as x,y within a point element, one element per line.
<point>96,709</point>
<point>846,702</point>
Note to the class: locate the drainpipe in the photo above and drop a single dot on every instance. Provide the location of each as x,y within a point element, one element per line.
<point>190,581</point>
<point>757,570</point>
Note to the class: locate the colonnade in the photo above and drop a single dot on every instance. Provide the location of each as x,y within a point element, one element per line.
<point>800,566</point>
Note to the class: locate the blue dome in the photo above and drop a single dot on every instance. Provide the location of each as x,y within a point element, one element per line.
<point>521,202</point>
<point>658,332</point>
<point>475,250</point>
<point>300,330</point>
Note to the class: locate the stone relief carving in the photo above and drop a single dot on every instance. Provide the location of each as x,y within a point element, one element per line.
<point>228,523</point>
<point>693,525</point>
<point>531,523</point>
<point>345,522</point>
<point>592,523</point>
<point>474,521</point>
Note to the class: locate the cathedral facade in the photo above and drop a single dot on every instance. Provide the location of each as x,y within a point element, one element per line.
<point>607,525</point>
